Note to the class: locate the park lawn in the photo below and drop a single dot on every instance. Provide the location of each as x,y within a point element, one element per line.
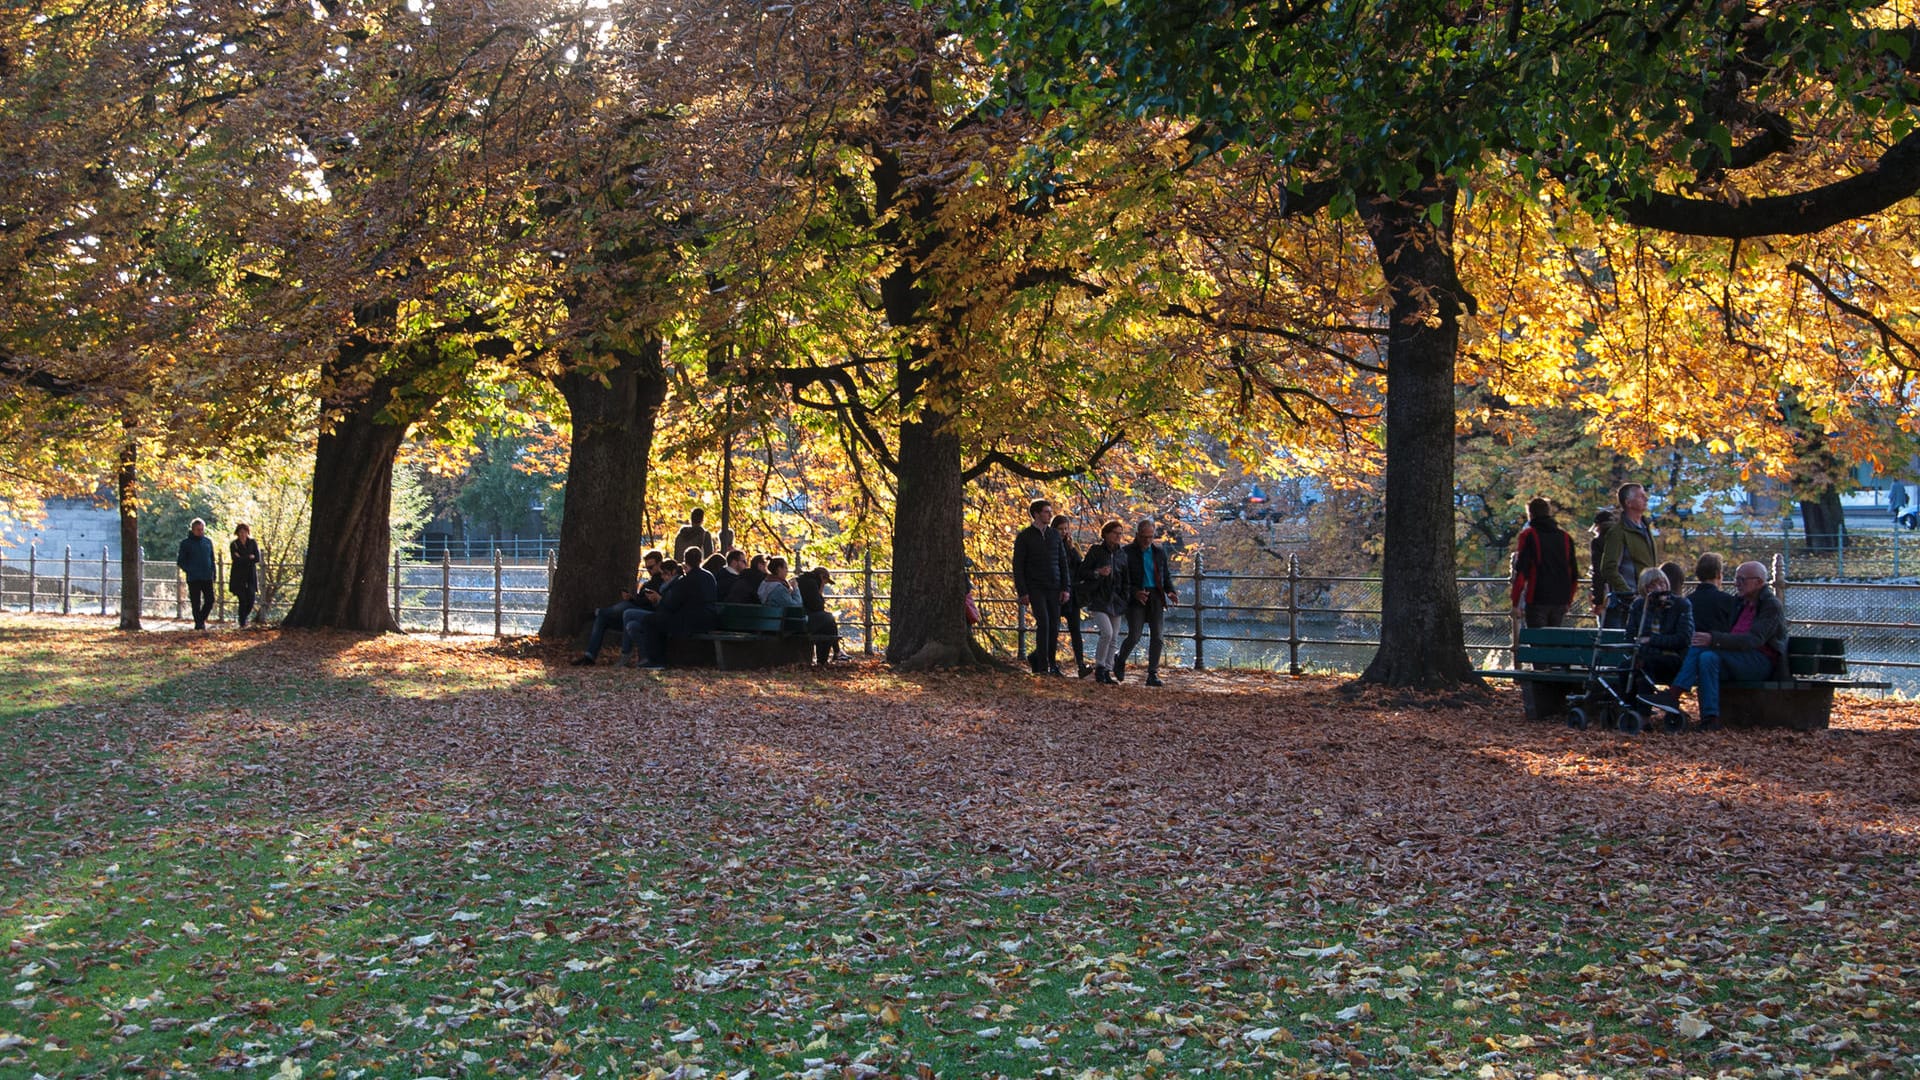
<point>326,855</point>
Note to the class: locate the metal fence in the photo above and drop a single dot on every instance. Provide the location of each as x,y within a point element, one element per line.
<point>1295,622</point>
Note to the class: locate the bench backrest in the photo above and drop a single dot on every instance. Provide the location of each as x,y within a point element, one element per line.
<point>759,618</point>
<point>1816,656</point>
<point>1569,645</point>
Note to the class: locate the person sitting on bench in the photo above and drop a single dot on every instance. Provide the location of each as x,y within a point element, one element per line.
<point>684,609</point>
<point>821,625</point>
<point>746,586</point>
<point>777,591</point>
<point>1713,607</point>
<point>1746,652</point>
<point>613,616</point>
<point>1661,620</point>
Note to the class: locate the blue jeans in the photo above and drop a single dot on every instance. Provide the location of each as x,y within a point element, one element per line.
<point>605,619</point>
<point>1703,668</point>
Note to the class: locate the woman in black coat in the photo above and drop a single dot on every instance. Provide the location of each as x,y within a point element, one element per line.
<point>1102,586</point>
<point>243,577</point>
<point>1661,620</point>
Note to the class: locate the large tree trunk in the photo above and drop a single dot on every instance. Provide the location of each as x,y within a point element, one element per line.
<point>600,535</point>
<point>132,565</point>
<point>1825,520</point>
<point>1422,640</point>
<point>927,622</point>
<point>343,583</point>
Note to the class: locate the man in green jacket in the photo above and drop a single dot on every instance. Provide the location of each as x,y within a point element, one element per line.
<point>1630,547</point>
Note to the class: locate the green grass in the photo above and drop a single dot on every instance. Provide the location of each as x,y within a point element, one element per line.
<point>350,860</point>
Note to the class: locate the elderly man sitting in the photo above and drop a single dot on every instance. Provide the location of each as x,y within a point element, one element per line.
<point>1747,651</point>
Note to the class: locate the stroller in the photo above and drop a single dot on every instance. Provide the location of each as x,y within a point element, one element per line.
<point>1615,682</point>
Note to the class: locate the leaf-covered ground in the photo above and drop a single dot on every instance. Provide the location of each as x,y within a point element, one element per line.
<point>274,854</point>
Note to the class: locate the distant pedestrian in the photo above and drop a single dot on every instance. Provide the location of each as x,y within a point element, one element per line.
<point>196,562</point>
<point>243,570</point>
<point>693,534</point>
<point>1546,572</point>
<point>1041,581</point>
<point>1072,609</point>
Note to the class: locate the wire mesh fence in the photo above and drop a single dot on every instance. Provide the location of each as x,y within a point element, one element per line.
<point>1296,622</point>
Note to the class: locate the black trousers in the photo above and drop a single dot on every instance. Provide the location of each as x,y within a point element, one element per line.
<point>1152,616</point>
<point>1075,614</point>
<point>244,597</point>
<point>1046,629</point>
<point>200,595</point>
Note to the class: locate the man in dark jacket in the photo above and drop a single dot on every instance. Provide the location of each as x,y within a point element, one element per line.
<point>1744,652</point>
<point>685,608</point>
<point>614,615</point>
<point>1073,610</point>
<point>1546,573</point>
<point>822,627</point>
<point>1150,573</point>
<point>196,562</point>
<point>1713,607</point>
<point>1040,580</point>
<point>746,585</point>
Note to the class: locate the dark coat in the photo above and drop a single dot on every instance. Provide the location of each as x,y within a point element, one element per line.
<point>688,602</point>
<point>1108,593</point>
<point>1162,581</point>
<point>691,535</point>
<point>813,592</point>
<point>1768,631</point>
<point>1713,608</point>
<point>196,558</point>
<point>746,587</point>
<point>1670,628</point>
<point>243,570</point>
<point>1545,570</point>
<point>1039,561</point>
<point>1072,580</point>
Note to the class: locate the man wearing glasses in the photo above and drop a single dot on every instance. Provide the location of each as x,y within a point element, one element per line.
<point>1745,652</point>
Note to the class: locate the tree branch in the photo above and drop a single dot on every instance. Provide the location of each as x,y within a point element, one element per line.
<point>1893,178</point>
<point>1888,335</point>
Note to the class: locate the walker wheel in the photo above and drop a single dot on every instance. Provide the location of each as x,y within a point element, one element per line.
<point>1631,722</point>
<point>1578,719</point>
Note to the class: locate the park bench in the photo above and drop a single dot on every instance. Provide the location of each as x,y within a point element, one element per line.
<point>1552,662</point>
<point>749,636</point>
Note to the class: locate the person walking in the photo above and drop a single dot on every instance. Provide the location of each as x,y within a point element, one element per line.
<point>1103,586</point>
<point>196,562</point>
<point>1150,579</point>
<point>1072,608</point>
<point>243,570</point>
<point>1040,582</point>
<point>1546,572</point>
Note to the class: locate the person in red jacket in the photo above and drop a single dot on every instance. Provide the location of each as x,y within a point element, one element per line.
<point>1546,573</point>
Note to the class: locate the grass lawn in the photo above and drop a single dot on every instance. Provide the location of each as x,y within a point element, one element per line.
<point>281,855</point>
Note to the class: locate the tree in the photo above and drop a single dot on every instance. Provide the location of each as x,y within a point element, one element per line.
<point>1389,108</point>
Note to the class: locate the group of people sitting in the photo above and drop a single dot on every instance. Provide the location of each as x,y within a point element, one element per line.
<point>676,599</point>
<point>1115,581</point>
<point>1692,642</point>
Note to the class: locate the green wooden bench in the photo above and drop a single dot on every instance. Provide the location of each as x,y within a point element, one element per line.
<point>748,636</point>
<point>1553,662</point>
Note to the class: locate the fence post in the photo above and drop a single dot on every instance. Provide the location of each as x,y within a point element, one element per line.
<point>866,600</point>
<point>446,594</point>
<point>1896,548</point>
<point>1199,611</point>
<point>66,582</point>
<point>179,593</point>
<point>496,584</point>
<point>1293,615</point>
<point>396,588</point>
<point>104,553</point>
<point>33,573</point>
<point>1840,551</point>
<point>1779,571</point>
<point>219,594</point>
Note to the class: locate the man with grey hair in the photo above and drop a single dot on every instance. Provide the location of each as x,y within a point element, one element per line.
<point>1745,652</point>
<point>1151,574</point>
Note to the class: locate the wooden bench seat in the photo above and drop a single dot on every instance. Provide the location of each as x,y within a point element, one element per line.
<point>747,636</point>
<point>1563,657</point>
